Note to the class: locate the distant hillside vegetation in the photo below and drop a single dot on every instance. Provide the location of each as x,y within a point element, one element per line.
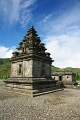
<point>68,69</point>
<point>5,67</point>
<point>55,69</point>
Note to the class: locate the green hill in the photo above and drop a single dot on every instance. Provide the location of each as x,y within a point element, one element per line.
<point>55,69</point>
<point>75,70</point>
<point>68,69</point>
<point>5,68</point>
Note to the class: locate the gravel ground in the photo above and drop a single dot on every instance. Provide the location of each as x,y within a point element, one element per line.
<point>61,105</point>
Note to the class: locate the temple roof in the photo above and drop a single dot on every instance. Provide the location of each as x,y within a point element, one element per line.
<point>31,44</point>
<point>31,41</point>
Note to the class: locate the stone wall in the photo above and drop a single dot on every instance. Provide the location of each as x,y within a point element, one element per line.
<point>48,70</point>
<point>14,70</point>
<point>30,68</point>
<point>27,68</point>
<point>67,78</point>
<point>41,69</point>
<point>22,69</point>
<point>55,77</point>
<point>37,68</point>
<point>64,76</point>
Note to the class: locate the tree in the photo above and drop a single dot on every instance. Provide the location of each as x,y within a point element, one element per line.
<point>1,62</point>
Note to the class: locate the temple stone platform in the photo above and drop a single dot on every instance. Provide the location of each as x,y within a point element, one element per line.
<point>31,86</point>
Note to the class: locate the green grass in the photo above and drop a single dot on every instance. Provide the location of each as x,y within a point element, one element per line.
<point>78,81</point>
<point>1,80</point>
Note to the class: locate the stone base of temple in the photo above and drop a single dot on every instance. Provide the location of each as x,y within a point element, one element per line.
<point>70,84</point>
<point>31,86</point>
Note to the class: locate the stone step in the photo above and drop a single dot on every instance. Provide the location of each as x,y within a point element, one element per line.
<point>37,93</point>
<point>32,93</point>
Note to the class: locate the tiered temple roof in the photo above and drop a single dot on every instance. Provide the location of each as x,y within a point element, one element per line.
<point>31,44</point>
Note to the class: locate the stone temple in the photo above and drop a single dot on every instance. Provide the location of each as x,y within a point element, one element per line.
<point>31,66</point>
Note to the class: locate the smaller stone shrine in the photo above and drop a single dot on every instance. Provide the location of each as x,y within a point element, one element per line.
<point>67,78</point>
<point>31,66</point>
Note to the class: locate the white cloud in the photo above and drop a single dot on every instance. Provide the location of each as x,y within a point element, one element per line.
<point>47,18</point>
<point>62,37</point>
<point>6,52</point>
<point>66,53</point>
<point>27,3</point>
<point>26,12</point>
<point>16,11</point>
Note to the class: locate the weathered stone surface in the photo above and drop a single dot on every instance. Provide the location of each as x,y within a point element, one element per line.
<point>68,78</point>
<point>31,65</point>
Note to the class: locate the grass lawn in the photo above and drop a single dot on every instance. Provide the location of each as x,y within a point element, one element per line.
<point>78,82</point>
<point>1,80</point>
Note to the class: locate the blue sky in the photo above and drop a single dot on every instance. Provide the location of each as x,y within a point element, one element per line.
<point>57,23</point>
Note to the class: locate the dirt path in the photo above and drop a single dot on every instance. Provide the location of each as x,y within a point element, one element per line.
<point>61,105</point>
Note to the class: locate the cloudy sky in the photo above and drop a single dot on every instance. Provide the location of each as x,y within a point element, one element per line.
<point>57,23</point>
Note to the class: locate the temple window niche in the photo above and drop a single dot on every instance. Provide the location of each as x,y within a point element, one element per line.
<point>23,50</point>
<point>20,68</point>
